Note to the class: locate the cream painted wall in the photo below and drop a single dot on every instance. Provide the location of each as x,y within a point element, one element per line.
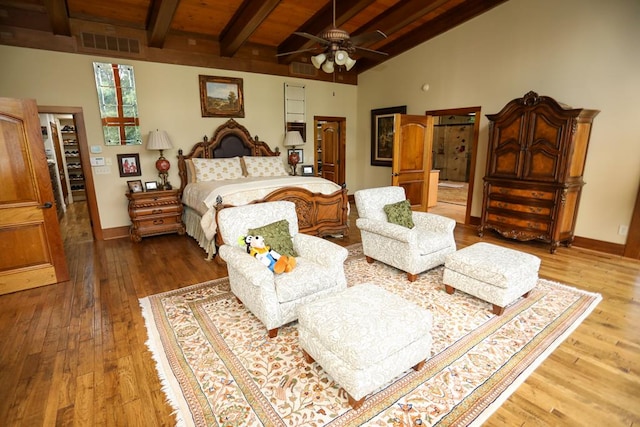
<point>168,98</point>
<point>580,52</point>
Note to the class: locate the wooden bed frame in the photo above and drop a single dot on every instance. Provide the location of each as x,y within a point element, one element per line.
<point>318,214</point>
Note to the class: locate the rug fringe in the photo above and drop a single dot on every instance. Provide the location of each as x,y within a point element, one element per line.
<point>162,366</point>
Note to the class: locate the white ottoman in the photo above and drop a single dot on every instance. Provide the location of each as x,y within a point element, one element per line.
<point>492,273</point>
<point>364,337</point>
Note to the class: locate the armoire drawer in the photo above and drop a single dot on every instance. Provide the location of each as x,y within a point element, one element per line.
<point>526,193</point>
<point>514,221</point>
<point>520,207</point>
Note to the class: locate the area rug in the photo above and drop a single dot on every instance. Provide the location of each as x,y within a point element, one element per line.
<point>219,368</point>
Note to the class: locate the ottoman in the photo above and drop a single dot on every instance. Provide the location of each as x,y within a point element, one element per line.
<point>492,273</point>
<point>364,337</point>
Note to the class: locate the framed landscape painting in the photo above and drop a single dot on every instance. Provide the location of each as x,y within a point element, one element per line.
<point>382,129</point>
<point>221,97</point>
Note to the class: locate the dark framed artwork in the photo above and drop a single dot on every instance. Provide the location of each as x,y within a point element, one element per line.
<point>221,96</point>
<point>307,170</point>
<point>129,165</point>
<point>382,128</point>
<point>135,186</point>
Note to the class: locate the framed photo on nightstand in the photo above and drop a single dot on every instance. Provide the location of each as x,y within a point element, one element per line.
<point>150,186</point>
<point>307,170</point>
<point>135,186</point>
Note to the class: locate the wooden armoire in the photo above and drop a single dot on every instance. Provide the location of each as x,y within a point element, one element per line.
<point>535,163</point>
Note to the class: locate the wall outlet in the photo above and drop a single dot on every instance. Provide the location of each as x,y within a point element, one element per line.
<point>623,230</point>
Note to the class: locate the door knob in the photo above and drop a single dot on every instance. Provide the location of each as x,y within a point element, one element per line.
<point>46,205</point>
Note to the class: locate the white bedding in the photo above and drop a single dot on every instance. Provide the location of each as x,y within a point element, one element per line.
<point>202,196</point>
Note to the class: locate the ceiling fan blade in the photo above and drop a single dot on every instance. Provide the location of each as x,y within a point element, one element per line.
<point>296,51</point>
<point>312,37</point>
<point>368,38</point>
<point>370,52</point>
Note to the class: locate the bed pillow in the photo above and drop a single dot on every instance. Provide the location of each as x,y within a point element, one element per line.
<point>277,236</point>
<point>265,166</point>
<point>399,213</point>
<point>217,169</point>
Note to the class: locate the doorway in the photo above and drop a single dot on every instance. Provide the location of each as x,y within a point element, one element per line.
<point>81,219</point>
<point>455,141</point>
<point>329,147</point>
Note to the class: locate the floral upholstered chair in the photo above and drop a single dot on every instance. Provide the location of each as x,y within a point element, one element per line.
<point>274,298</point>
<point>393,234</point>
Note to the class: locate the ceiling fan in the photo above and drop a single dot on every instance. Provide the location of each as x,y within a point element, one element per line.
<point>339,46</point>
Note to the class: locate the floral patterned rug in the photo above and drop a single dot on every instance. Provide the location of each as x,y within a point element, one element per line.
<point>219,368</point>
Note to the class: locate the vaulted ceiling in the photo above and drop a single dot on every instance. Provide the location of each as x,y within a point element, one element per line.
<point>244,35</point>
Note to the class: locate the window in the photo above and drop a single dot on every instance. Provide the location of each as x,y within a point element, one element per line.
<point>118,103</point>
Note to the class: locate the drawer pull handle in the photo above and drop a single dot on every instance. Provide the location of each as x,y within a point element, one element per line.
<point>156,211</point>
<point>158,221</point>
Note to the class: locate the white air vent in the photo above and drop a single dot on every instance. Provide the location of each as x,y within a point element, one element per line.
<point>103,42</point>
<point>302,69</point>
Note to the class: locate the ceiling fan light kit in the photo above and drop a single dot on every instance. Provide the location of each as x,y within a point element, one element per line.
<point>339,46</point>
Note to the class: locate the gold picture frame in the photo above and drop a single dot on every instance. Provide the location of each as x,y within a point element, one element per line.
<point>382,129</point>
<point>221,96</point>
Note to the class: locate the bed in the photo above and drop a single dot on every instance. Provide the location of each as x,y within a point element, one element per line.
<point>233,168</point>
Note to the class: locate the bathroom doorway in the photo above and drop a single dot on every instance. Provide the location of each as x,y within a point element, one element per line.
<point>455,141</point>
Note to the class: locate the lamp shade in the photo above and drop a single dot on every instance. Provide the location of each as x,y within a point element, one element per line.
<point>327,67</point>
<point>341,57</point>
<point>159,140</point>
<point>349,63</point>
<point>293,138</point>
<point>318,60</point>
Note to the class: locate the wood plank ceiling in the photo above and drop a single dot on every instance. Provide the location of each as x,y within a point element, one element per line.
<point>243,35</point>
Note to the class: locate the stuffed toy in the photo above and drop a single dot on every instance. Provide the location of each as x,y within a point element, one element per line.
<point>277,263</point>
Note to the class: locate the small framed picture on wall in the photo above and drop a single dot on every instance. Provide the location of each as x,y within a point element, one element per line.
<point>129,164</point>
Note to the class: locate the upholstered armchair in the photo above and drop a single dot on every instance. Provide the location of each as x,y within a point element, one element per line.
<point>274,298</point>
<point>412,250</point>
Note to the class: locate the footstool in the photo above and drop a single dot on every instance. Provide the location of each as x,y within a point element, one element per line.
<point>364,337</point>
<point>492,273</point>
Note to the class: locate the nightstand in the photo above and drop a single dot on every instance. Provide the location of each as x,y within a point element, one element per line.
<point>155,212</point>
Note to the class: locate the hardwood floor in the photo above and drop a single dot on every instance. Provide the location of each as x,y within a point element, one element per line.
<point>74,353</point>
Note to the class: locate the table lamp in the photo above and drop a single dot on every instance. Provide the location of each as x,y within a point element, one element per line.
<point>292,139</point>
<point>159,140</point>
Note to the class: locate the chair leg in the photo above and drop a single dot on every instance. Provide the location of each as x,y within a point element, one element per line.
<point>450,289</point>
<point>369,259</point>
<point>412,277</point>
<point>307,357</point>
<point>273,333</point>
<point>419,365</point>
<point>355,404</point>
<point>497,310</point>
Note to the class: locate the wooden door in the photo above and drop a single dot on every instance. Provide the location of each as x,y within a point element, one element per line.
<point>330,133</point>
<point>55,136</point>
<point>31,250</point>
<point>411,165</point>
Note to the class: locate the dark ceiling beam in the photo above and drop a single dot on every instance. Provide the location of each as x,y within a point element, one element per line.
<point>244,22</point>
<point>448,20</point>
<point>58,16</point>
<point>322,20</point>
<point>162,12</point>
<point>399,16</point>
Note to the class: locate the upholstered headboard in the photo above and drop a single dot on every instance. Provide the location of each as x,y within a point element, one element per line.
<point>230,139</point>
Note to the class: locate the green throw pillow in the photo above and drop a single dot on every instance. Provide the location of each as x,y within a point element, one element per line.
<point>399,213</point>
<point>277,236</point>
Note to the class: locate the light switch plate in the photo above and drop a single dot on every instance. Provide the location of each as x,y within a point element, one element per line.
<point>97,161</point>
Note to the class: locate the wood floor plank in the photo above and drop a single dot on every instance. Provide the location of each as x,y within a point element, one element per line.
<point>74,353</point>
